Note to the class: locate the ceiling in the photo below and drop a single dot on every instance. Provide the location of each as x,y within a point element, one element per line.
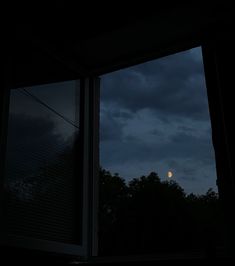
<point>97,41</point>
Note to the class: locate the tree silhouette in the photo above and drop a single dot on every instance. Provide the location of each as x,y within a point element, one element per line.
<point>148,215</point>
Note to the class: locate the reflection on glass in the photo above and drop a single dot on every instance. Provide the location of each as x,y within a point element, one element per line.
<point>158,189</point>
<point>42,163</point>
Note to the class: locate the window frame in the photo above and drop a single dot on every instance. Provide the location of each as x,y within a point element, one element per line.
<point>89,88</point>
<point>213,49</point>
<point>219,140</point>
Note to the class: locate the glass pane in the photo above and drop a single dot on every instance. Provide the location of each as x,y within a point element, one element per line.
<point>158,180</point>
<point>42,180</point>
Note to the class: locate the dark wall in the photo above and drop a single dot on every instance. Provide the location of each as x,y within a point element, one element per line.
<point>218,61</point>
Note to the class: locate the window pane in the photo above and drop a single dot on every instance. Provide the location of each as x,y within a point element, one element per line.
<point>158,180</point>
<point>42,180</point>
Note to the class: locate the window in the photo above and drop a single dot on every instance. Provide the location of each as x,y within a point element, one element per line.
<point>158,192</point>
<point>40,163</point>
<point>47,174</point>
<point>157,175</point>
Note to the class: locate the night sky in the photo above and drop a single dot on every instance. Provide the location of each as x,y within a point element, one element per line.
<point>154,117</point>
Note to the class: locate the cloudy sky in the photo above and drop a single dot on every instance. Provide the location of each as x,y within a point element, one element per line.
<point>61,96</point>
<point>154,117</point>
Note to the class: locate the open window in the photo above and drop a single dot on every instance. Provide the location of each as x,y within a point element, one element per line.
<point>47,197</point>
<point>49,155</point>
<point>51,174</point>
<point>158,192</point>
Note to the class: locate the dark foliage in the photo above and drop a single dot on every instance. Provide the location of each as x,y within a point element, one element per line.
<point>148,215</point>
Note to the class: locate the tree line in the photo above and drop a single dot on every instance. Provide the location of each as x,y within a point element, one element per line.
<point>147,215</point>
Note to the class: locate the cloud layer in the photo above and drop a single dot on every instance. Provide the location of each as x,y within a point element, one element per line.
<point>154,117</point>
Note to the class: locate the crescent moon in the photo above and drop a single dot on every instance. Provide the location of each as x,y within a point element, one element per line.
<point>169,174</point>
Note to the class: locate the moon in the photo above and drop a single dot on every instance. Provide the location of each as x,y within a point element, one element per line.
<point>169,174</point>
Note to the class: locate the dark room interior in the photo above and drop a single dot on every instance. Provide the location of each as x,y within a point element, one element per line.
<point>54,66</point>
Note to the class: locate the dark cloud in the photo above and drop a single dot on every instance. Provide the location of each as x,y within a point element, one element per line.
<point>112,122</point>
<point>173,85</point>
<point>30,133</point>
<point>189,146</point>
<point>110,128</point>
<point>156,132</point>
<point>166,125</point>
<point>31,144</point>
<point>178,146</point>
<point>62,97</point>
<point>39,140</point>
